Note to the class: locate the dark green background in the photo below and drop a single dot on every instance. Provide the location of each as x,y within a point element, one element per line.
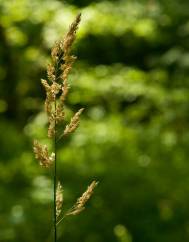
<point>132,79</point>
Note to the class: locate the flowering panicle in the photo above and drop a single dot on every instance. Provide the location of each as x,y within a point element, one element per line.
<point>72,126</point>
<point>57,87</point>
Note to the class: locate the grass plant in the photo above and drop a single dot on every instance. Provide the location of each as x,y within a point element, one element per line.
<point>57,88</point>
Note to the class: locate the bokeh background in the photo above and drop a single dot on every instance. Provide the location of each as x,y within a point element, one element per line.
<point>132,79</point>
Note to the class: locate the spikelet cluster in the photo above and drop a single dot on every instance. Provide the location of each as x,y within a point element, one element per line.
<point>79,206</point>
<point>42,154</point>
<point>74,123</point>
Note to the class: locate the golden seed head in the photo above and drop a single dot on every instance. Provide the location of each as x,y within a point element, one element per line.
<point>81,201</point>
<point>74,123</point>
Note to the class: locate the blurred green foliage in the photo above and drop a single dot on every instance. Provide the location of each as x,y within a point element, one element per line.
<point>132,78</point>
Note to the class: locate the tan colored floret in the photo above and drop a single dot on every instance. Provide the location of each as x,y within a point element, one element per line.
<point>72,126</point>
<point>42,154</point>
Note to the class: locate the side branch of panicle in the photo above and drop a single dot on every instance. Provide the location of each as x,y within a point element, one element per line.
<point>67,45</point>
<point>79,206</point>
<point>42,154</point>
<point>74,123</point>
<point>70,36</point>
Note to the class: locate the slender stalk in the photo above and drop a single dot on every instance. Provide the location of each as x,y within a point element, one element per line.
<point>55,178</point>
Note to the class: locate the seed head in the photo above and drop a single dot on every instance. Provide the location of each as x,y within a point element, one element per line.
<point>81,201</point>
<point>42,154</point>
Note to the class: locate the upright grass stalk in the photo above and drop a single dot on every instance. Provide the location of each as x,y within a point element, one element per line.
<point>55,177</point>
<point>56,87</point>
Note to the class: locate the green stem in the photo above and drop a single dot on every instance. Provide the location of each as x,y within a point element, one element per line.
<point>55,180</point>
<point>57,68</point>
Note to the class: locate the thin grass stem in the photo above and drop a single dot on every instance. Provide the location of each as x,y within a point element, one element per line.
<point>55,177</point>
